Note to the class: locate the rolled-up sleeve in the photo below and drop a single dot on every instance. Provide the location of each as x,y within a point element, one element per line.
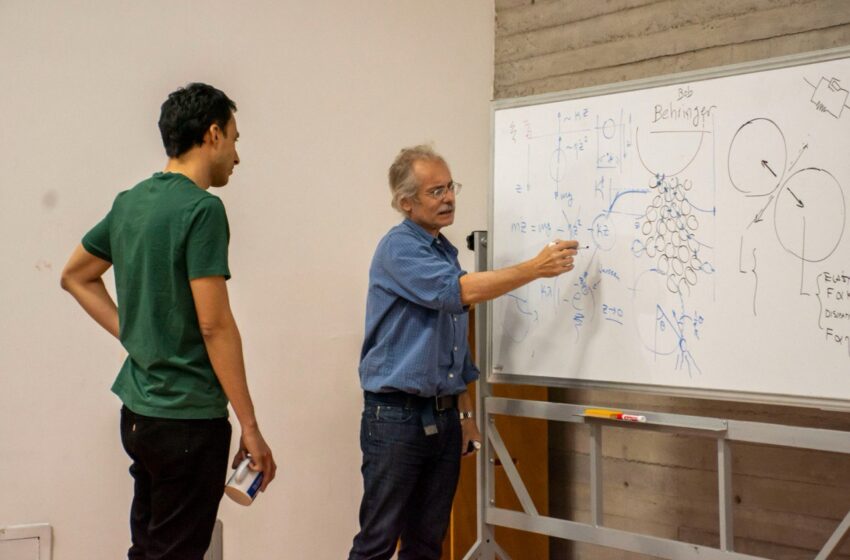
<point>470,372</point>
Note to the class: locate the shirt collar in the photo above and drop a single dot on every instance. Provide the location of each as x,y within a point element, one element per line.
<point>420,231</point>
<point>427,237</point>
<point>172,176</point>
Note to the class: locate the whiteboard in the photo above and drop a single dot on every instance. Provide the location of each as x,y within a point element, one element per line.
<point>714,208</point>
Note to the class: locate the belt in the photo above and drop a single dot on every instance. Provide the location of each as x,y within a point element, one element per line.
<point>398,398</point>
<point>426,405</point>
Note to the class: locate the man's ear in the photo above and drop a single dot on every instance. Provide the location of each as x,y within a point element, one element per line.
<point>213,134</point>
<point>406,204</point>
<point>216,132</point>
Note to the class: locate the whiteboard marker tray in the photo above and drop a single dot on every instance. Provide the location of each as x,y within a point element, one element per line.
<point>675,422</point>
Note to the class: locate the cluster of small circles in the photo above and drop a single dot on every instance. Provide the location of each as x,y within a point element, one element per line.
<point>668,230</point>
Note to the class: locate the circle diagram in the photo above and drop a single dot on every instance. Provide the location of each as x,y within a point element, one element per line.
<point>669,229</point>
<point>809,215</point>
<point>757,157</point>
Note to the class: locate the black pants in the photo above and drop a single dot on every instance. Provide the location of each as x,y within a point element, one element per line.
<point>179,468</point>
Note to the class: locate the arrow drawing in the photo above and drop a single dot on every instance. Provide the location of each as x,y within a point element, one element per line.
<point>799,202</point>
<point>760,213</point>
<point>766,166</point>
<point>803,149</point>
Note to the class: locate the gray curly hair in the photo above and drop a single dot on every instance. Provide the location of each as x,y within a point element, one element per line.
<point>403,183</point>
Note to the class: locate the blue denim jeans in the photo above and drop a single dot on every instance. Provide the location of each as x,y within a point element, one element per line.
<point>409,482</point>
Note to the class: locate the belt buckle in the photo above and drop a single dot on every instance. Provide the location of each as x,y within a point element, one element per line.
<point>438,404</point>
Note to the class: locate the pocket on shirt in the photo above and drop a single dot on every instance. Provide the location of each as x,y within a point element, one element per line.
<point>394,414</point>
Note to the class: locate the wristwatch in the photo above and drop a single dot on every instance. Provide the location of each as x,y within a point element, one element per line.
<point>464,414</point>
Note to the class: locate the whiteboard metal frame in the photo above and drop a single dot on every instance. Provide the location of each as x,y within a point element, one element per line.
<point>489,516</point>
<point>841,405</point>
<point>595,532</point>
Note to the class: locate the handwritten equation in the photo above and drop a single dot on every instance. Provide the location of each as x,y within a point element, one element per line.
<point>701,211</point>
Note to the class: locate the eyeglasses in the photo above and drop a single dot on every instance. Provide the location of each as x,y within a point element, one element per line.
<point>439,193</point>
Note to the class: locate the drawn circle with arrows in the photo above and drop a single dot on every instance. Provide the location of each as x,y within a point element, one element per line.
<point>757,157</point>
<point>809,215</point>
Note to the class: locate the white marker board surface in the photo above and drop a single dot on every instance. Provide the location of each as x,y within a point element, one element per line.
<point>715,208</point>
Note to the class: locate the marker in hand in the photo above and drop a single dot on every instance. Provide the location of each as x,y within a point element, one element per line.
<point>553,243</point>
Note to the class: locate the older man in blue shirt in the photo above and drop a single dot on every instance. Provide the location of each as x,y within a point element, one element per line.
<point>415,362</point>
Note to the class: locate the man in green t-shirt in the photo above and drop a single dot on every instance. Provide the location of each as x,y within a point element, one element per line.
<point>167,240</point>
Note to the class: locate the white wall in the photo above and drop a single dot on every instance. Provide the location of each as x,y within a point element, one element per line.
<point>327,94</point>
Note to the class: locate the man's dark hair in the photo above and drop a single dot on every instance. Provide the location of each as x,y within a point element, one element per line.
<point>188,113</point>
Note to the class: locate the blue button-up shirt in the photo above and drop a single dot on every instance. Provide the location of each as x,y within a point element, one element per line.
<point>416,324</point>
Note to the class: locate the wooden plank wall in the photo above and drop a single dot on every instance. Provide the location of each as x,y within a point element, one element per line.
<point>787,501</point>
<point>545,46</point>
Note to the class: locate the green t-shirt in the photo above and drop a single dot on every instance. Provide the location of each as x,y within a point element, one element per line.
<point>159,235</point>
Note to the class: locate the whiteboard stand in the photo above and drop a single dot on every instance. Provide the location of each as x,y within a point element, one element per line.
<point>485,545</point>
<point>724,431</point>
